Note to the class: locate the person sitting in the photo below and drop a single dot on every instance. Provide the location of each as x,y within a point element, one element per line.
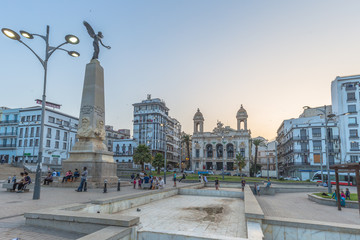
<point>146,178</point>
<point>48,179</point>
<point>68,176</point>
<point>347,194</point>
<point>343,194</point>
<point>21,180</point>
<point>76,175</point>
<point>161,183</point>
<point>23,184</point>
<point>342,200</point>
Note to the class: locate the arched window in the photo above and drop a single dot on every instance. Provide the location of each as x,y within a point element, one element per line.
<point>219,151</point>
<point>209,151</point>
<point>230,150</point>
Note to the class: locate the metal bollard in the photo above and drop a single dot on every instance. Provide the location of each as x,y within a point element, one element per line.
<point>118,184</point>
<point>105,186</point>
<point>85,186</point>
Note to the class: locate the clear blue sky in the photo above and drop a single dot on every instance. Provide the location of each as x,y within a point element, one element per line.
<point>271,56</point>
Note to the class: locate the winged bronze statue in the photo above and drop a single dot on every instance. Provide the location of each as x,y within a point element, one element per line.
<point>97,38</point>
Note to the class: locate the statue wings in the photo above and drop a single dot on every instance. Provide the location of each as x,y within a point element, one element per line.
<point>89,29</point>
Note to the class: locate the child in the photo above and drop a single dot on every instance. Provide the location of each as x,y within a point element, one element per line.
<point>139,181</point>
<point>342,194</point>
<point>134,183</point>
<point>347,194</point>
<point>14,179</point>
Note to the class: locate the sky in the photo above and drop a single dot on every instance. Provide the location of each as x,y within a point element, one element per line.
<point>274,57</point>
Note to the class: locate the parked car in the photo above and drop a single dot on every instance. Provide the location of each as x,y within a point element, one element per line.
<point>226,174</point>
<point>240,174</point>
<point>189,171</point>
<point>205,172</point>
<point>292,178</point>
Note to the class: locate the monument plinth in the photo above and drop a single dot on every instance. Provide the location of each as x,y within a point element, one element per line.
<point>90,151</point>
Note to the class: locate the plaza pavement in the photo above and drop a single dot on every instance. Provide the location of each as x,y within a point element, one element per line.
<point>297,205</point>
<point>14,205</point>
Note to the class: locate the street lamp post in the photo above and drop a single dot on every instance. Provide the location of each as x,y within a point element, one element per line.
<point>48,52</point>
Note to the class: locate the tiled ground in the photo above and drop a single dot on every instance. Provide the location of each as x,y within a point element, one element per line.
<point>12,228</point>
<point>208,216</point>
<point>297,205</point>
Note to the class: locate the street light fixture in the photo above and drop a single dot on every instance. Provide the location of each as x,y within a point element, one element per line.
<point>10,34</point>
<point>48,52</point>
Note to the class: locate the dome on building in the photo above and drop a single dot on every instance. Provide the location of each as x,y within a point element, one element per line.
<point>198,116</point>
<point>241,114</point>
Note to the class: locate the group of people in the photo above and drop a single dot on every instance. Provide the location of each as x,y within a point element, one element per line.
<point>22,183</point>
<point>143,178</point>
<point>202,178</point>
<point>343,196</point>
<point>70,176</point>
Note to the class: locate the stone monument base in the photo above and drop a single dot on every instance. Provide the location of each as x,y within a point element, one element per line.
<point>100,166</point>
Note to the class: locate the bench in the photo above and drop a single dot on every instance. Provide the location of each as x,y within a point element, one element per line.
<point>9,187</point>
<point>145,186</point>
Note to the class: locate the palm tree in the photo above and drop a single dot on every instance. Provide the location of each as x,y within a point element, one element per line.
<point>240,161</point>
<point>257,142</point>
<point>158,162</point>
<point>186,138</point>
<point>142,155</point>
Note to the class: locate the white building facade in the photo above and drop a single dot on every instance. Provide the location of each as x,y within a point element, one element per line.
<point>217,149</point>
<point>9,121</point>
<point>155,128</point>
<point>124,150</point>
<point>302,142</point>
<point>345,97</point>
<point>112,135</point>
<point>59,135</point>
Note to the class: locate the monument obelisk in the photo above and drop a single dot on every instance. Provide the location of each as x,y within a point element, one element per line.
<point>90,151</point>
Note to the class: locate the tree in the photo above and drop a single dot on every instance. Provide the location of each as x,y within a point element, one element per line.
<point>142,155</point>
<point>186,138</point>
<point>240,161</point>
<point>158,162</point>
<point>257,142</point>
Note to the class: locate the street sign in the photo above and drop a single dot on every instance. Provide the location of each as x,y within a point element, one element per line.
<point>27,154</point>
<point>55,156</point>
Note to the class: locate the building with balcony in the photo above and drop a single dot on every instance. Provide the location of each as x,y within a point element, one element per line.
<point>123,150</point>
<point>267,155</point>
<point>113,135</point>
<point>59,135</point>
<point>217,149</point>
<point>301,147</point>
<point>155,128</point>
<point>9,121</point>
<point>20,135</point>
<point>345,97</point>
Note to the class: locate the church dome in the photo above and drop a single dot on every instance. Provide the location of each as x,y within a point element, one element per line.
<point>241,114</point>
<point>198,116</point>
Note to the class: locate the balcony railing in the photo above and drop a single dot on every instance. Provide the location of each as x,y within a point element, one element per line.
<point>298,163</point>
<point>57,137</point>
<point>301,138</point>
<point>9,121</point>
<point>7,145</point>
<point>301,150</point>
<point>334,150</point>
<point>48,135</point>
<point>8,134</point>
<point>334,137</point>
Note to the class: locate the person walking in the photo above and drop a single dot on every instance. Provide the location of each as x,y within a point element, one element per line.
<point>174,178</point>
<point>217,184</point>
<point>83,180</point>
<point>258,189</point>
<point>183,177</point>
<point>243,182</point>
